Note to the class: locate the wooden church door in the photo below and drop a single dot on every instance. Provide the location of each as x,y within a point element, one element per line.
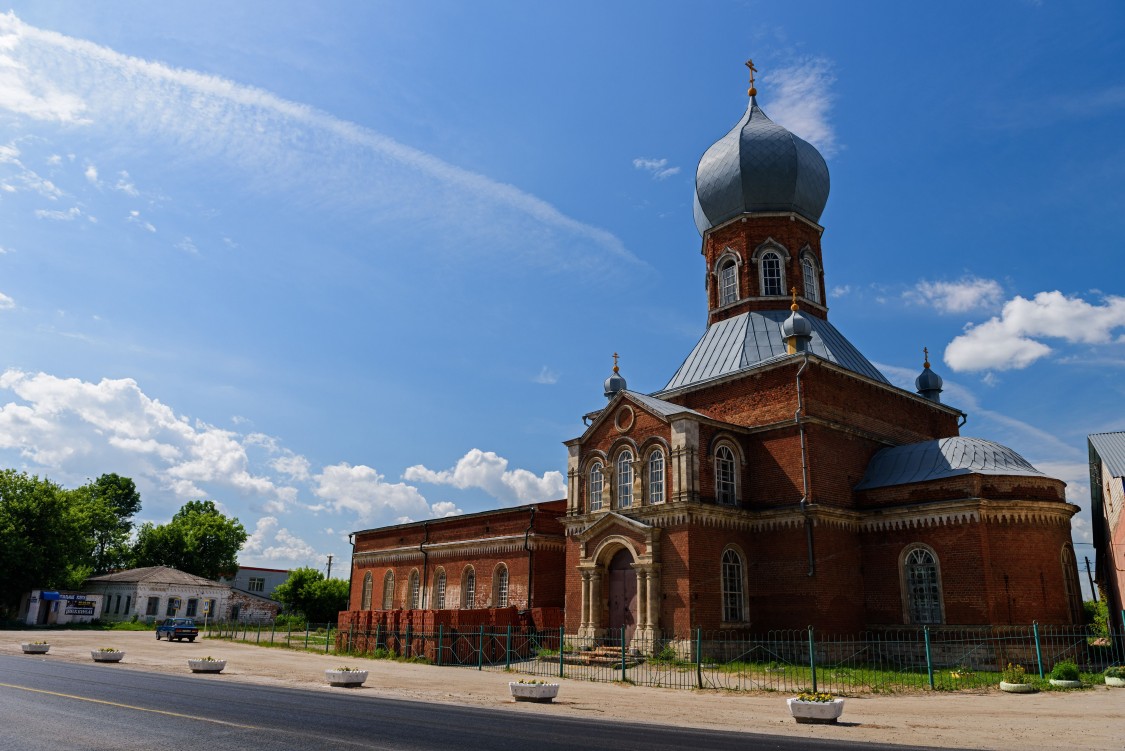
<point>622,596</point>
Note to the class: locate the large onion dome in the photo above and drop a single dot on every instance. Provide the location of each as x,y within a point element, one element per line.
<point>759,166</point>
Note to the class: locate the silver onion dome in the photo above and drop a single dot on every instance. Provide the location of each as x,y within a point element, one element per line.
<point>759,166</point>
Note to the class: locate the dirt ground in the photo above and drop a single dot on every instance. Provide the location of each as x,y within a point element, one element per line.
<point>1085,719</point>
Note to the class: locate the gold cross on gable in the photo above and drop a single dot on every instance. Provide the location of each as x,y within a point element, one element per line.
<point>753,70</point>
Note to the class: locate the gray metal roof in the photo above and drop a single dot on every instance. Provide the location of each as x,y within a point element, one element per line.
<point>154,575</point>
<point>753,339</point>
<point>945,457</point>
<point>1111,449</point>
<point>759,166</point>
<point>661,407</point>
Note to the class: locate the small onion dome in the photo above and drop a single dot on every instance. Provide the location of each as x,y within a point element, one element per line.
<point>759,166</point>
<point>615,382</point>
<point>928,383</point>
<point>796,329</point>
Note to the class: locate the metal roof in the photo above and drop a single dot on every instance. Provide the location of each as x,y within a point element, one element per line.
<point>154,575</point>
<point>945,457</point>
<point>1111,450</point>
<point>753,339</point>
<point>759,166</point>
<point>661,407</point>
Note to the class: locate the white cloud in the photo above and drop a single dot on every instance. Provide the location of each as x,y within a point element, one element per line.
<point>281,145</point>
<point>272,544</point>
<point>125,184</point>
<point>1012,339</point>
<point>800,97</point>
<point>135,218</point>
<point>6,303</point>
<point>77,427</point>
<point>364,492</point>
<point>547,377</point>
<point>24,178</point>
<point>187,246</point>
<point>970,293</point>
<point>61,216</point>
<point>489,472</point>
<point>91,174</point>
<point>841,290</point>
<point>657,168</point>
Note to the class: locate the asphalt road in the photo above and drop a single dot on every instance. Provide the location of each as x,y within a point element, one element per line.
<point>48,704</point>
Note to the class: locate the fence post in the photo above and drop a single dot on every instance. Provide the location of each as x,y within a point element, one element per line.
<point>699,657</point>
<point>508,650</point>
<point>622,654</point>
<point>327,637</point>
<point>812,658</point>
<point>480,649</point>
<point>440,641</point>
<point>306,634</point>
<point>273,627</point>
<point>929,658</point>
<point>561,636</point>
<point>1038,651</point>
<point>408,647</point>
<point>258,638</point>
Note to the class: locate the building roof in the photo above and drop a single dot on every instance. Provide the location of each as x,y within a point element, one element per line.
<point>755,338</point>
<point>941,458</point>
<point>661,407</point>
<point>155,575</point>
<point>1111,449</point>
<point>759,166</point>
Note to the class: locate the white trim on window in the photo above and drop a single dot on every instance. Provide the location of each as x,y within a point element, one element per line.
<point>595,487</point>
<point>726,475</point>
<point>656,482</point>
<point>733,582</point>
<point>811,277</point>
<point>469,588</point>
<point>368,585</point>
<point>625,479</point>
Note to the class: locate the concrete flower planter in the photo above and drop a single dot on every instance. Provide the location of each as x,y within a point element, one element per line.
<point>103,656</point>
<point>1057,683</point>
<point>345,678</point>
<point>816,712</point>
<point>35,649</point>
<point>207,666</point>
<point>1111,681</point>
<point>1018,688</point>
<point>537,692</point>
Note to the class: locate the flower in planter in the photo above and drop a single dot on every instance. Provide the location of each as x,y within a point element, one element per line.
<point>208,658</point>
<point>1014,674</point>
<point>346,669</point>
<point>40,643</point>
<point>1116,671</point>
<point>815,697</point>
<point>108,649</point>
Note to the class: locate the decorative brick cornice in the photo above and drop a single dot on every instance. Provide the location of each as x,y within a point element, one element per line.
<point>480,547</point>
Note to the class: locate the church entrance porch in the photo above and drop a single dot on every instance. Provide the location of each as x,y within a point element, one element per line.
<point>622,595</point>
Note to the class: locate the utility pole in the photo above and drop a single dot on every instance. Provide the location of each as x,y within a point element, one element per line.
<point>1091,577</point>
<point>330,566</point>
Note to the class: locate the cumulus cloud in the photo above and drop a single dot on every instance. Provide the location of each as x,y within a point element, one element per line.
<point>279,144</point>
<point>1011,340</point>
<point>489,472</point>
<point>6,303</point>
<point>72,426</point>
<point>364,492</point>
<point>970,293</point>
<point>273,544</point>
<point>92,174</point>
<point>800,98</point>
<point>658,169</point>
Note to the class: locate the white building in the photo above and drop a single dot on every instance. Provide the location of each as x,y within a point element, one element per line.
<point>158,592</point>
<point>46,607</point>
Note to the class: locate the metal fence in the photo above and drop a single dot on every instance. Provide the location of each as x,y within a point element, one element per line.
<point>885,661</point>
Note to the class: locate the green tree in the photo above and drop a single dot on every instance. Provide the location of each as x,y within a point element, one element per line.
<point>104,510</point>
<point>199,540</point>
<point>38,536</point>
<point>306,591</point>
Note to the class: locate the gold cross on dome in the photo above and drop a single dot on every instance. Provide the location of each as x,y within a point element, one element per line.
<point>926,353</point>
<point>753,70</point>
<point>794,305</point>
<point>614,362</point>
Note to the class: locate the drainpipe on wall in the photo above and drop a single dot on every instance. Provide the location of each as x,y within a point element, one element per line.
<point>530,559</point>
<point>351,569</point>
<point>797,418</point>
<point>425,563</point>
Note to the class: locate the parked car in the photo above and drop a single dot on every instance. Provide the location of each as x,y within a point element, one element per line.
<point>177,629</point>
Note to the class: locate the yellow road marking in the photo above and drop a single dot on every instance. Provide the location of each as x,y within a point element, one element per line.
<point>130,706</point>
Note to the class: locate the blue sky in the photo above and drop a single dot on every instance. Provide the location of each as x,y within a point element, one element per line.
<point>338,265</point>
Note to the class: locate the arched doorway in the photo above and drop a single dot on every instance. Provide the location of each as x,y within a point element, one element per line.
<point>622,595</point>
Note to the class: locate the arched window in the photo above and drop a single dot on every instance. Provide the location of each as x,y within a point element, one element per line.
<point>500,586</point>
<point>469,589</point>
<point>625,479</point>
<point>389,590</point>
<point>728,283</point>
<point>773,282</point>
<point>923,587</point>
<point>656,477</point>
<point>809,275</point>
<point>368,584</point>
<point>594,487</point>
<point>439,589</point>
<point>734,599</point>
<point>726,487</point>
<point>414,587</point>
<point>1071,587</point>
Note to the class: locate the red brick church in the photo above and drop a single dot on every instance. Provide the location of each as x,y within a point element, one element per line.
<point>778,480</point>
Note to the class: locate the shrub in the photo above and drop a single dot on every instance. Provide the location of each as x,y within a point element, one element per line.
<point>1065,671</point>
<point>1117,671</point>
<point>1014,674</point>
